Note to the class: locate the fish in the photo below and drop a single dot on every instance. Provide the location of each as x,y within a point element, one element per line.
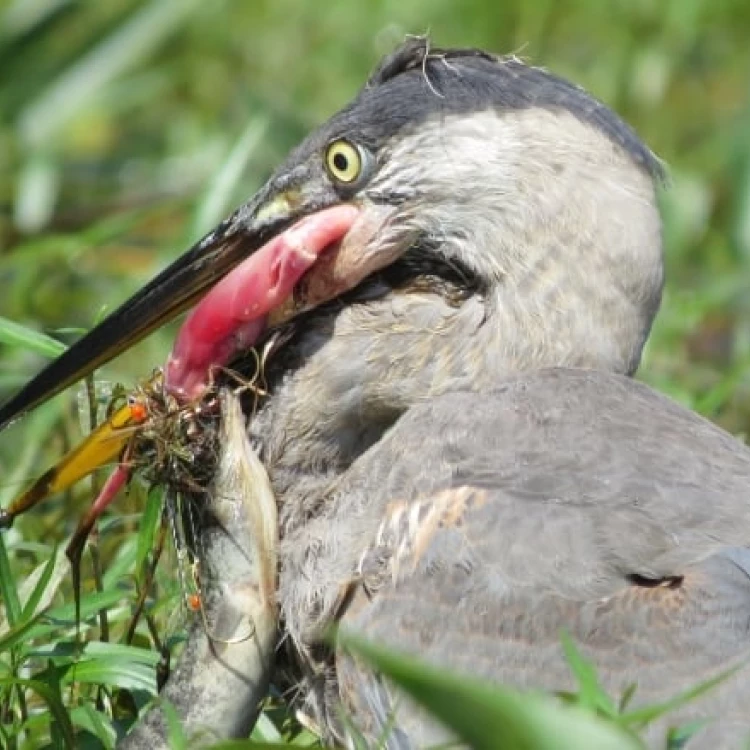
<point>224,671</point>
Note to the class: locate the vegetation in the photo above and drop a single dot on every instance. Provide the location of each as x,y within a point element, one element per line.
<point>128,128</point>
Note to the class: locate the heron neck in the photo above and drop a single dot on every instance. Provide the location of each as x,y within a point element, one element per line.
<point>352,374</point>
<point>353,371</point>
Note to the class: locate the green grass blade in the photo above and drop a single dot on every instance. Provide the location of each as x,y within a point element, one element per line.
<point>8,588</point>
<point>117,673</point>
<point>96,722</point>
<point>175,731</point>
<point>487,716</point>
<point>640,717</point>
<point>18,336</point>
<point>21,633</point>
<point>113,653</point>
<point>148,525</point>
<point>45,625</point>
<point>29,609</point>
<point>53,701</point>
<point>591,694</point>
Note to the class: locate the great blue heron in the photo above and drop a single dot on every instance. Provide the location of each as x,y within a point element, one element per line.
<point>465,223</point>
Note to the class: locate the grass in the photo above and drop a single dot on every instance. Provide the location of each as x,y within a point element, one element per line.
<point>128,128</point>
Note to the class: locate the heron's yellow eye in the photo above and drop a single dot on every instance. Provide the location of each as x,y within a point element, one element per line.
<point>344,161</point>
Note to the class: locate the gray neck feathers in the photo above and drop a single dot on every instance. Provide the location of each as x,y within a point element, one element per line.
<point>561,226</point>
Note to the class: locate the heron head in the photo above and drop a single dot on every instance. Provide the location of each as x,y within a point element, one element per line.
<point>449,170</point>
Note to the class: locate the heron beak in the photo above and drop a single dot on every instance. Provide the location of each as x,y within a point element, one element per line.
<point>103,446</point>
<point>280,238</point>
<point>248,267</point>
<point>248,272</point>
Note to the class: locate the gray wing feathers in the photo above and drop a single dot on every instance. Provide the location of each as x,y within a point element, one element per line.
<point>571,500</point>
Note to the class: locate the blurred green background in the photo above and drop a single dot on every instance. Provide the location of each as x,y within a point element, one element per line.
<point>129,127</point>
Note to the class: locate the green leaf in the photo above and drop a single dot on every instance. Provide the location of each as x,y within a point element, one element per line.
<point>640,717</point>
<point>29,609</point>
<point>20,337</point>
<point>46,624</point>
<point>122,566</point>
<point>8,587</point>
<point>20,633</point>
<point>175,731</point>
<point>96,722</point>
<point>90,605</point>
<point>148,525</point>
<point>265,730</point>
<point>113,653</point>
<point>678,737</point>
<point>591,694</point>
<point>486,716</point>
<point>128,676</point>
<point>53,701</point>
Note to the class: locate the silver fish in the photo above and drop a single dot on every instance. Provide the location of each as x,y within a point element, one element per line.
<point>224,670</point>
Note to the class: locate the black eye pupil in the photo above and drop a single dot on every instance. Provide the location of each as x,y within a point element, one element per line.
<point>340,162</point>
